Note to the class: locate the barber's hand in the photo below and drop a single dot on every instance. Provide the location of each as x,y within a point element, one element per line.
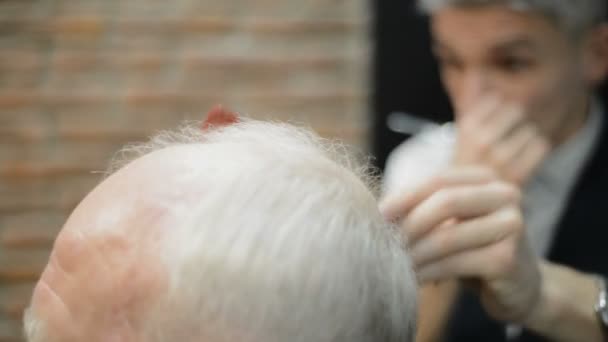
<point>466,224</point>
<point>498,134</point>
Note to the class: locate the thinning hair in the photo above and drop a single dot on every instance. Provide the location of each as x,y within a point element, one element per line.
<point>33,327</point>
<point>285,244</point>
<point>573,16</point>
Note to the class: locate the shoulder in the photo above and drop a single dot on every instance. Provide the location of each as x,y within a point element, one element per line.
<point>418,159</point>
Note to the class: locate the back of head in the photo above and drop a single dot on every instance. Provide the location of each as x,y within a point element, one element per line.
<point>274,236</point>
<point>573,16</point>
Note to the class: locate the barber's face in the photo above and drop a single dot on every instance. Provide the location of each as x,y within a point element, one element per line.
<point>519,57</point>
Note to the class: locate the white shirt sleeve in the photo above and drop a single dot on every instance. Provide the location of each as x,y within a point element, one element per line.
<point>415,161</point>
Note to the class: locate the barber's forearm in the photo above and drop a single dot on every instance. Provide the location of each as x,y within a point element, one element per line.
<point>565,310</point>
<point>434,305</point>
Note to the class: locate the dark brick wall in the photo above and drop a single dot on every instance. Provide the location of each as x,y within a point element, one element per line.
<point>78,79</point>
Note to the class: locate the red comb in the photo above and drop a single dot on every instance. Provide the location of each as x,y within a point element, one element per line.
<point>218,116</point>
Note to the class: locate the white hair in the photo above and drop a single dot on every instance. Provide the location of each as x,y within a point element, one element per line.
<point>573,15</point>
<point>285,244</point>
<point>33,327</point>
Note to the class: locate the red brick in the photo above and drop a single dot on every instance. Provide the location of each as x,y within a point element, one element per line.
<point>11,330</point>
<point>350,133</point>
<point>156,8</point>
<point>14,37</point>
<point>282,43</point>
<point>298,26</point>
<point>20,60</point>
<point>11,100</point>
<point>18,150</point>
<point>174,25</point>
<point>311,95</point>
<point>22,265</point>
<point>96,154</point>
<point>30,229</point>
<point>65,99</point>
<point>152,97</point>
<point>240,73</point>
<point>156,115</point>
<point>80,78</point>
<point>77,25</point>
<point>302,109</point>
<point>83,61</point>
<point>215,8</point>
<point>28,236</point>
<point>101,124</point>
<point>166,33</point>
<point>14,299</point>
<point>23,126</point>
<point>55,25</point>
<point>84,153</point>
<point>105,124</point>
<point>15,79</point>
<point>35,169</point>
<point>72,8</point>
<point>115,72</point>
<point>61,193</point>
<point>313,61</point>
<point>165,117</point>
<point>274,8</point>
<point>13,8</point>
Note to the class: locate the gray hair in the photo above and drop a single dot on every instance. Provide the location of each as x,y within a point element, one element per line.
<point>287,244</point>
<point>573,16</point>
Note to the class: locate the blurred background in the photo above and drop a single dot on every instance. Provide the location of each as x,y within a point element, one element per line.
<point>79,78</point>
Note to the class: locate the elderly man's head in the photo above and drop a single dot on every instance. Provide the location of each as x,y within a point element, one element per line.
<point>252,232</point>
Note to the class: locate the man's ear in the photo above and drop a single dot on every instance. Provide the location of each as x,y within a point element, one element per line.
<point>218,116</point>
<point>597,55</point>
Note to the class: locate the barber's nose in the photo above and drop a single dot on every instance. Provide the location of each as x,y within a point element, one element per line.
<point>475,86</point>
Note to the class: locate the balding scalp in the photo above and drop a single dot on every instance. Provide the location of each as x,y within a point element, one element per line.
<point>258,231</point>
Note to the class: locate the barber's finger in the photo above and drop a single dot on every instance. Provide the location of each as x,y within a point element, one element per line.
<point>502,126</point>
<point>467,235</point>
<point>480,112</point>
<point>458,202</point>
<point>481,142</point>
<point>505,155</point>
<point>470,123</point>
<point>489,262</point>
<point>528,161</point>
<point>398,206</point>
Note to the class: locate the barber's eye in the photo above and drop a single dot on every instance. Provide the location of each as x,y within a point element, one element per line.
<point>514,65</point>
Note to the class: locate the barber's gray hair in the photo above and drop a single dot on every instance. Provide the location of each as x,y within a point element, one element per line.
<point>572,15</point>
<point>285,244</point>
